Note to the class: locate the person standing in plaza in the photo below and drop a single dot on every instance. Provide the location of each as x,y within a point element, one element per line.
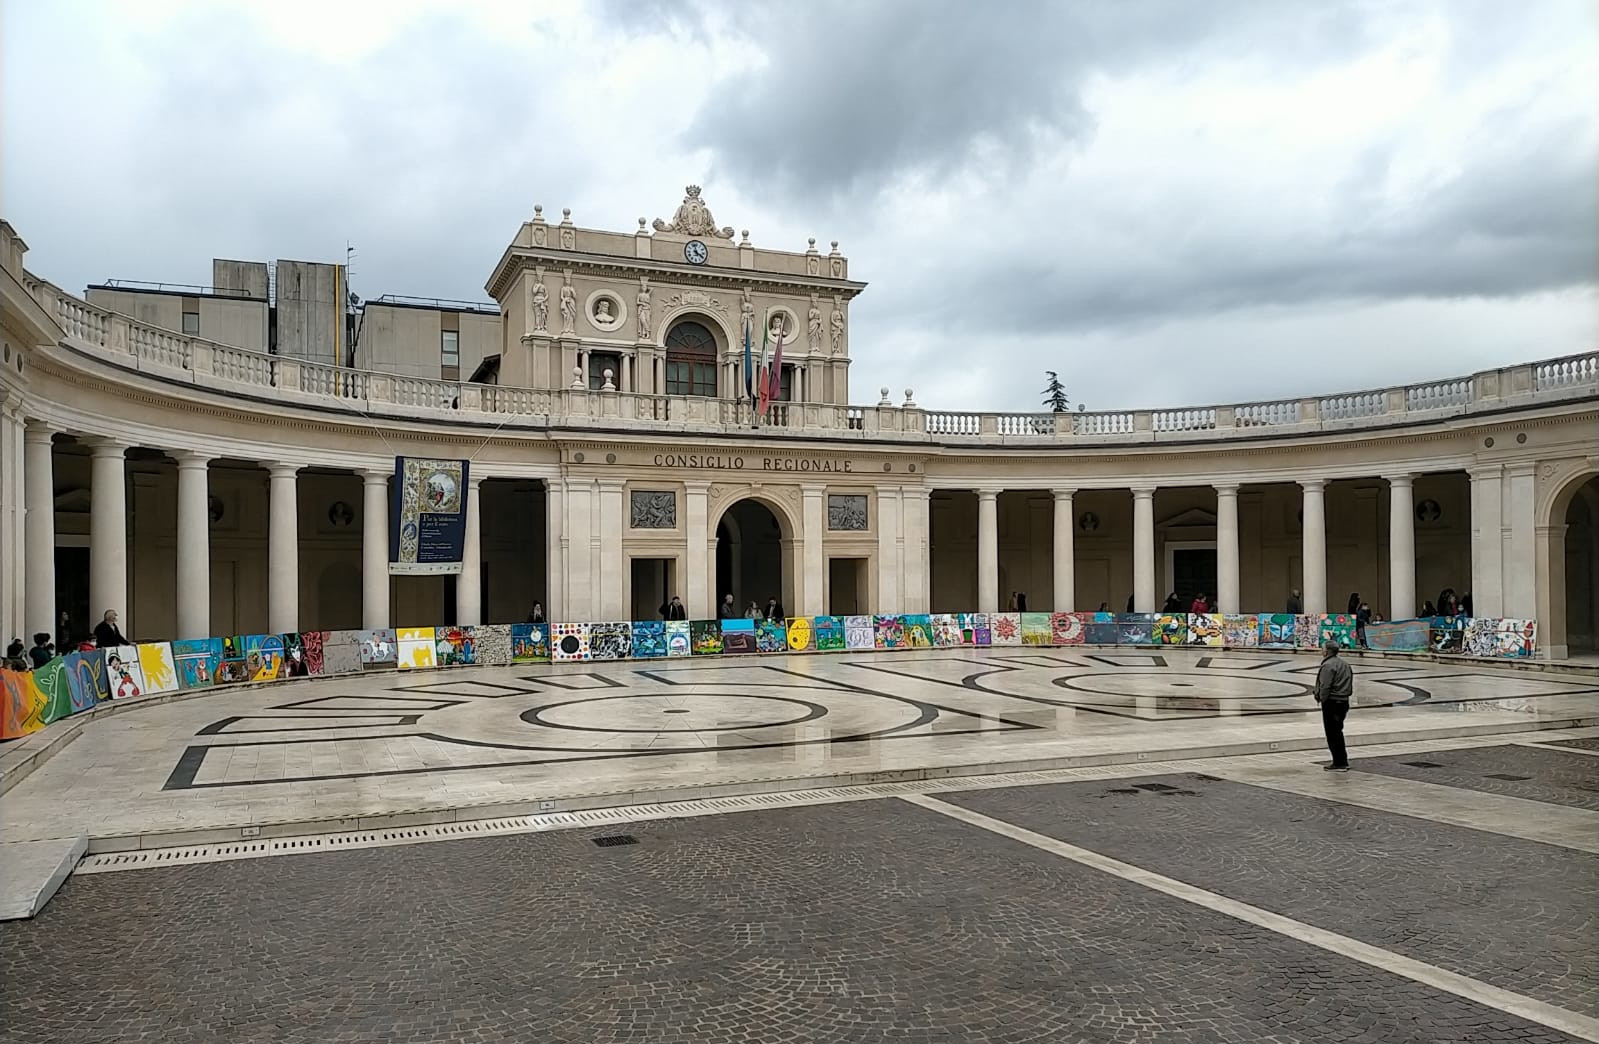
<point>673,610</point>
<point>43,651</point>
<point>1335,688</point>
<point>729,610</point>
<point>106,634</point>
<point>1296,605</point>
<point>774,611</point>
<point>536,615</point>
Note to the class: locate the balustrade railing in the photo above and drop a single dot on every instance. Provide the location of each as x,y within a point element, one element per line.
<point>1355,404</point>
<point>1202,419</point>
<point>154,348</point>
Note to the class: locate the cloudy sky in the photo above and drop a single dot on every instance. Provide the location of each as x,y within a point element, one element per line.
<point>1168,202</point>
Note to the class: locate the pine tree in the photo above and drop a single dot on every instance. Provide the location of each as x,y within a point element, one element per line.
<point>1055,393</point>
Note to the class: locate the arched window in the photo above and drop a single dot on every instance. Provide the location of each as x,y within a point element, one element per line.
<point>690,360</point>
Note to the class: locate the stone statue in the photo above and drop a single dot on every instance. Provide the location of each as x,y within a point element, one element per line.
<point>541,307</point>
<point>778,327</point>
<point>693,218</point>
<point>746,313</point>
<point>814,320</point>
<point>602,313</point>
<point>643,303</point>
<point>838,331</point>
<point>568,307</point>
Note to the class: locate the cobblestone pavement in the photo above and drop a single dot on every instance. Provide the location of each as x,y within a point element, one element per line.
<point>865,922</point>
<point>1559,777</point>
<point>1586,743</point>
<point>1512,913</point>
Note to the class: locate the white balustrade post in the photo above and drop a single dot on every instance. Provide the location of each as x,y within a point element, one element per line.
<point>108,535</point>
<point>1227,548</point>
<point>988,550</point>
<point>283,548</point>
<point>375,549</point>
<point>1401,548</point>
<point>194,546</point>
<point>1144,549</point>
<point>469,585</point>
<point>1065,552</point>
<point>39,538</point>
<point>1313,525</point>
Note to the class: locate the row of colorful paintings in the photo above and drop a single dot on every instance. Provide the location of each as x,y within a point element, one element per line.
<point>80,680</point>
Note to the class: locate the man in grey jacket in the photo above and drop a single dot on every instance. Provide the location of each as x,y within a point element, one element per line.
<point>1335,687</point>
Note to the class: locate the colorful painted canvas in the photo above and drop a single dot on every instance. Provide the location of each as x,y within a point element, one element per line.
<point>449,647</point>
<point>157,668</point>
<point>738,637</point>
<point>263,656</point>
<point>946,630</point>
<point>859,633</point>
<point>55,689</point>
<point>197,660</point>
<point>492,643</point>
<point>1399,636</point>
<point>1507,639</point>
<point>1067,628</point>
<point>1103,629</point>
<point>1129,629</point>
<point>416,649</point>
<point>1307,632</point>
<point>801,634</point>
<point>976,629</point>
<point>918,630</point>
<point>85,678</point>
<point>297,654</point>
<point>379,649</point>
<point>1006,627</point>
<point>706,636</point>
<point>1447,640</point>
<point>23,704</point>
<point>232,668</point>
<point>1240,630</point>
<point>888,632</point>
<point>649,639</point>
<point>341,652</point>
<point>1204,629</point>
<point>530,643</point>
<point>1036,629</point>
<point>1340,628</point>
<point>569,642</point>
<point>124,675</point>
<point>829,634</point>
<point>679,640</point>
<point>1277,630</point>
<point>1172,628</point>
<point>771,636</point>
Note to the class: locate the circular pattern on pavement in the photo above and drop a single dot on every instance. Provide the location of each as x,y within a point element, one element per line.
<point>1162,683</point>
<point>710,712</point>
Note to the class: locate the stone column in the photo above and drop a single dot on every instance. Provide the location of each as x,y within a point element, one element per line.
<point>1227,548</point>
<point>108,534</point>
<point>283,549</point>
<point>375,549</point>
<point>611,559</point>
<point>1520,543</point>
<point>1487,541</point>
<point>469,585</point>
<point>194,546</point>
<point>39,604</point>
<point>1402,548</point>
<point>1314,551</point>
<point>890,551</point>
<point>12,522</point>
<point>1143,549</point>
<point>988,550</point>
<point>1065,563</point>
<point>625,378</point>
<point>813,561</point>
<point>554,598</point>
<point>918,544</point>
<point>699,597</point>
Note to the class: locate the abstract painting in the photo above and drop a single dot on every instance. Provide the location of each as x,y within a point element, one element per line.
<point>888,632</point>
<point>491,644</point>
<point>1172,628</point>
<point>859,633</point>
<point>706,636</point>
<point>1204,629</point>
<point>1067,628</point>
<point>1130,629</point>
<point>416,649</point>
<point>801,634</point>
<point>947,630</point>
<point>157,668</point>
<point>1399,636</point>
<point>649,639</point>
<point>1240,630</point>
<point>678,638</point>
<point>918,631</point>
<point>1006,628</point>
<point>569,642</point>
<point>1501,639</point>
<point>771,636</point>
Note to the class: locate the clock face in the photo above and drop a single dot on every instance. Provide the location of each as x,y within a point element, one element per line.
<point>695,253</point>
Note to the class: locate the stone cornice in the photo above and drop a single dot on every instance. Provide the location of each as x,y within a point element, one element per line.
<point>517,260</point>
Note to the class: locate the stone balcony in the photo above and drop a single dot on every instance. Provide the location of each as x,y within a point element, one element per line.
<point>267,378</point>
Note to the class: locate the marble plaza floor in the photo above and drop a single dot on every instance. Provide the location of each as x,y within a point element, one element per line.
<point>476,742</point>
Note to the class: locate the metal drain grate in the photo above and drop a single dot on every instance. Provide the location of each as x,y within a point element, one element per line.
<point>615,840</point>
<point>1507,777</point>
<point>1423,764</point>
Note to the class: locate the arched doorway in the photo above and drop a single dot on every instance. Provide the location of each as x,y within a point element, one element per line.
<point>1582,569</point>
<point>691,359</point>
<point>754,551</point>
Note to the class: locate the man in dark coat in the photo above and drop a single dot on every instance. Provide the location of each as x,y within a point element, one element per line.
<point>674,610</point>
<point>1335,688</point>
<point>106,634</point>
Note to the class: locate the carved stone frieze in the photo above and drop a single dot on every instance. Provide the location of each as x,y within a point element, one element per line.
<point>693,218</point>
<point>696,299</point>
<point>653,509</point>
<point>846,511</point>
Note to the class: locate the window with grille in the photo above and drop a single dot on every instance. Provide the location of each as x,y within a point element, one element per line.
<point>690,360</point>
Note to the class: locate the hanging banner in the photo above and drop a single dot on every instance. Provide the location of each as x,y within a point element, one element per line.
<point>427,530</point>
